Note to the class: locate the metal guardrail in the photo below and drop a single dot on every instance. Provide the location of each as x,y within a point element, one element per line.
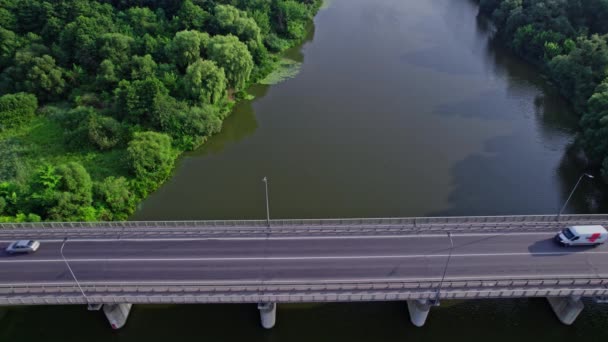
<point>412,221</point>
<point>300,292</point>
<point>307,227</point>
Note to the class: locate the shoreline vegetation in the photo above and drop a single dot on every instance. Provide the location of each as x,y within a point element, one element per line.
<point>568,41</point>
<point>98,98</point>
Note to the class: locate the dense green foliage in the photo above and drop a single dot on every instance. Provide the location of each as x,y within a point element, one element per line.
<point>98,97</point>
<point>569,40</point>
<point>16,109</point>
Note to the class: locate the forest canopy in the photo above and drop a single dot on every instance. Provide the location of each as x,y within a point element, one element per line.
<point>98,98</point>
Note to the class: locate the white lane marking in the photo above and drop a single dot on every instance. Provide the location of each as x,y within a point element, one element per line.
<point>489,278</point>
<point>350,237</point>
<point>293,258</point>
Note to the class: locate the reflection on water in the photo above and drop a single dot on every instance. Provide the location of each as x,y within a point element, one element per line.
<point>471,321</point>
<point>240,124</point>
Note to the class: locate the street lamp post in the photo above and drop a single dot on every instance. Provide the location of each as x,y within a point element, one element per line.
<point>445,269</point>
<point>265,180</point>
<point>72,272</point>
<point>572,192</point>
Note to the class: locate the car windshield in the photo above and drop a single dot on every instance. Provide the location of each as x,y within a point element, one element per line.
<point>568,234</point>
<point>30,243</point>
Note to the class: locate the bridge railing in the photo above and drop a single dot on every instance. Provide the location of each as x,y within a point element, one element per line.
<point>347,222</point>
<point>295,292</point>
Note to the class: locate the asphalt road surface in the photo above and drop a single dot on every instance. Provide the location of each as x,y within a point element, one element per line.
<point>351,258</point>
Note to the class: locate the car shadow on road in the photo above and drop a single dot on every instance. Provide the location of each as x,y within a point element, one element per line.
<point>550,247</point>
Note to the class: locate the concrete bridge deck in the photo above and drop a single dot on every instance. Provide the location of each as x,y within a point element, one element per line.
<point>416,260</point>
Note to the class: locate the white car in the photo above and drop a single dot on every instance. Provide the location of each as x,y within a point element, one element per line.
<point>23,246</point>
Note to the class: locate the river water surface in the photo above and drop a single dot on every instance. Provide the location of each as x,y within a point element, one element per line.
<point>401,108</point>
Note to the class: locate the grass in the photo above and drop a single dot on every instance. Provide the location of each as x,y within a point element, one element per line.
<point>40,141</point>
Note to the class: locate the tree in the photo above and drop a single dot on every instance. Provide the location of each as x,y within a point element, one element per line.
<point>78,40</point>
<point>150,157</point>
<point>595,125</point>
<point>32,15</point>
<point>11,194</point>
<point>115,194</point>
<point>107,74</point>
<point>290,19</point>
<point>142,67</point>
<point>115,47</point>
<point>72,194</point>
<point>138,101</point>
<point>7,19</point>
<point>205,82</point>
<point>231,20</point>
<point>44,78</point>
<point>154,46</point>
<point>234,57</point>
<point>75,179</point>
<point>185,48</point>
<point>142,20</point>
<point>104,132</point>
<point>9,43</point>
<point>191,16</point>
<point>35,71</point>
<point>16,109</point>
<point>43,187</point>
<point>190,127</point>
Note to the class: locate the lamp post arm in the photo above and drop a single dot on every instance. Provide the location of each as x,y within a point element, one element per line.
<point>572,193</point>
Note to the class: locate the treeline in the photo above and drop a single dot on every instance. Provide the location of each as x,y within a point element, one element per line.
<point>139,79</point>
<point>568,39</point>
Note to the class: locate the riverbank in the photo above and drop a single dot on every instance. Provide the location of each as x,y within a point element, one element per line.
<point>569,44</point>
<point>113,129</point>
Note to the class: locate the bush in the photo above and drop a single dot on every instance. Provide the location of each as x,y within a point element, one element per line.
<point>2,205</point>
<point>150,158</point>
<point>16,109</point>
<point>104,132</point>
<point>190,127</point>
<point>61,193</point>
<point>73,193</point>
<point>85,127</point>
<point>115,194</point>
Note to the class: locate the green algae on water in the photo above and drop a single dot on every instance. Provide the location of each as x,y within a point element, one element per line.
<point>285,69</point>
<point>326,4</point>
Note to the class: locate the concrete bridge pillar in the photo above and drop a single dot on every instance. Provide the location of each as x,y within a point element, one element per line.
<point>566,308</point>
<point>117,314</point>
<point>94,307</point>
<point>419,310</point>
<point>268,314</point>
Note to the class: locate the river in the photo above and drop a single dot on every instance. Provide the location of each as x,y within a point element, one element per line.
<point>401,108</point>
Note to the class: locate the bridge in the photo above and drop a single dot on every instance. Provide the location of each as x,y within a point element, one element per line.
<point>421,261</point>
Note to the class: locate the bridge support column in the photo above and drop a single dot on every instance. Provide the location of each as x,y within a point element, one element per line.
<point>419,310</point>
<point>117,314</point>
<point>268,314</point>
<point>566,308</point>
<point>94,307</point>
